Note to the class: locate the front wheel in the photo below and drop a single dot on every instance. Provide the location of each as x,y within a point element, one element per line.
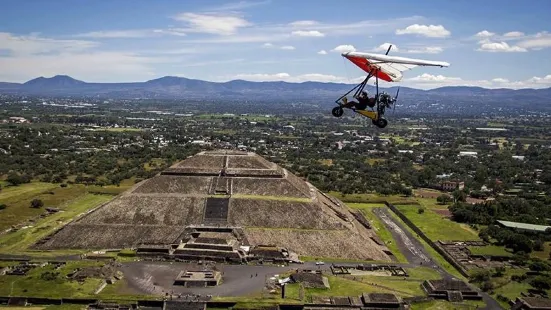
<point>337,111</point>
<point>381,122</point>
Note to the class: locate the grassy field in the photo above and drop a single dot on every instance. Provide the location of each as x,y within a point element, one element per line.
<point>326,162</point>
<point>10,192</point>
<point>545,254</point>
<point>372,161</point>
<point>439,259</point>
<point>18,200</point>
<point>379,227</point>
<point>36,285</point>
<point>153,163</point>
<point>436,227</point>
<point>19,241</point>
<point>492,250</point>
<point>340,286</point>
<point>50,307</point>
<point>350,285</point>
<point>444,305</point>
<point>373,198</point>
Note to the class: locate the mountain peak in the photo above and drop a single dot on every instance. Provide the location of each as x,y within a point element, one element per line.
<point>57,80</point>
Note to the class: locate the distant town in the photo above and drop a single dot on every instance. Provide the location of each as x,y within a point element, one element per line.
<point>453,211</point>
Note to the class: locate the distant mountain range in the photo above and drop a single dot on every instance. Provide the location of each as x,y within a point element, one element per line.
<point>170,87</point>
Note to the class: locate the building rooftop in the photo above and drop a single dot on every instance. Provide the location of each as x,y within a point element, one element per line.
<point>525,226</point>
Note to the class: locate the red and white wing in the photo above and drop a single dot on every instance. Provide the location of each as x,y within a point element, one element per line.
<point>388,68</point>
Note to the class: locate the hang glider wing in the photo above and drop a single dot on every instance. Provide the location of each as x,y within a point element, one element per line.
<point>388,68</point>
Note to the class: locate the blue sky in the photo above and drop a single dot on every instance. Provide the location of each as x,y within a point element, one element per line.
<point>490,44</point>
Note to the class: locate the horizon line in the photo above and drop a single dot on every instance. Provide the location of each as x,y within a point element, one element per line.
<point>275,81</point>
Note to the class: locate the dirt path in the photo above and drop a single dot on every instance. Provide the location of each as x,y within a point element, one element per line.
<point>410,246</point>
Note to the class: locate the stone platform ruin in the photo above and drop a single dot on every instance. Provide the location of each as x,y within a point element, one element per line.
<point>255,200</point>
<point>198,278</point>
<point>451,290</point>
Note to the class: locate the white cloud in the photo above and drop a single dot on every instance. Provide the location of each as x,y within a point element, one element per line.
<point>427,81</point>
<point>286,77</point>
<point>423,81</point>
<point>33,44</point>
<point>302,23</point>
<point>514,34</point>
<point>344,48</point>
<point>491,42</point>
<point>283,47</point>
<point>213,23</point>
<point>410,50</point>
<point>426,50</point>
<point>484,34</point>
<point>310,33</point>
<point>425,77</point>
<point>546,80</point>
<point>115,34</point>
<point>322,52</point>
<point>499,47</point>
<point>431,31</point>
<point>538,41</point>
<point>130,34</point>
<point>88,66</point>
<point>384,47</point>
<point>282,32</point>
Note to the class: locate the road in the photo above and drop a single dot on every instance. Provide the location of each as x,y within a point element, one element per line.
<point>415,252</point>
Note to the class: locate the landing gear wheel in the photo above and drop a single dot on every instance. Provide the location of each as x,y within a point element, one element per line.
<point>337,111</point>
<point>381,122</point>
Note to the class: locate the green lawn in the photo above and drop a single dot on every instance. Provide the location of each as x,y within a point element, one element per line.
<point>33,284</point>
<point>512,290</point>
<point>423,273</point>
<point>340,286</point>
<point>491,250</point>
<point>46,307</point>
<point>545,254</point>
<point>439,259</point>
<point>436,227</point>
<point>18,200</point>
<point>9,192</point>
<point>379,227</point>
<point>373,198</point>
<point>19,241</point>
<point>444,305</point>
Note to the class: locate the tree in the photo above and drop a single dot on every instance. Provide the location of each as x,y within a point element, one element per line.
<point>538,245</point>
<point>443,199</point>
<point>459,196</point>
<point>3,206</point>
<point>539,266</point>
<point>421,210</point>
<point>37,203</point>
<point>499,271</point>
<point>14,179</point>
<point>541,283</point>
<point>483,234</point>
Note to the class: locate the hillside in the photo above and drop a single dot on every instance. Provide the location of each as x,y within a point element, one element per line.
<point>169,87</point>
